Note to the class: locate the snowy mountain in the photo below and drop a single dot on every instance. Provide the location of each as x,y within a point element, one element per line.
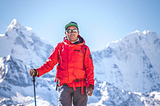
<point>131,63</point>
<point>126,71</point>
<point>20,50</point>
<point>105,94</point>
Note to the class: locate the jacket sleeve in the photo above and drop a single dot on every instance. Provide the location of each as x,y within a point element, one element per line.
<point>50,62</point>
<point>88,64</point>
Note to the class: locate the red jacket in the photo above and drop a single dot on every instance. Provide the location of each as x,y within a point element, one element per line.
<point>75,64</point>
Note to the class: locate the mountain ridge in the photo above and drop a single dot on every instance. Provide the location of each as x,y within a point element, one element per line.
<point>126,71</point>
<point>132,48</point>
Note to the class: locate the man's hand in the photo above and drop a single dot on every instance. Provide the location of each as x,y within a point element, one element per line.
<point>89,91</point>
<point>33,72</point>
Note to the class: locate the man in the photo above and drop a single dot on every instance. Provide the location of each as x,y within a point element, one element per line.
<point>75,76</point>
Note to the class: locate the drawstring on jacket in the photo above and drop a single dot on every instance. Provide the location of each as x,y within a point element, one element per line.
<point>81,87</point>
<point>81,81</point>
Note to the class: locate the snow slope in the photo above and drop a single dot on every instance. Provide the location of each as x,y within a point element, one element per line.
<point>20,50</point>
<point>132,63</point>
<point>126,71</point>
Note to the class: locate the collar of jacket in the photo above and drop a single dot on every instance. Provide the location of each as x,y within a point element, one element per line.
<point>72,42</point>
<point>82,41</point>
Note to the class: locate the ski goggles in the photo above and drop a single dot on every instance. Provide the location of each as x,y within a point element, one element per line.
<point>72,30</point>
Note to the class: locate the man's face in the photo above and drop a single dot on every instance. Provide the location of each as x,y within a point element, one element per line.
<point>71,34</point>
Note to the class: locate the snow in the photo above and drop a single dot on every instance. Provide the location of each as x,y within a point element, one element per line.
<point>122,54</point>
<point>126,71</point>
<point>29,29</point>
<point>29,101</point>
<point>1,35</point>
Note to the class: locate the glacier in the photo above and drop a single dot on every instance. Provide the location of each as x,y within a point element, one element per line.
<point>126,71</point>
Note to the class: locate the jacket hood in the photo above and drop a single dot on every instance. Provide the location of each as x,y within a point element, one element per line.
<point>80,42</point>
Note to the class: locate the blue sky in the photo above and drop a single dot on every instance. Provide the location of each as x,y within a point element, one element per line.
<point>100,21</point>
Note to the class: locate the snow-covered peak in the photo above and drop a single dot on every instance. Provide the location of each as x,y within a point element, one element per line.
<point>136,37</point>
<point>15,25</point>
<point>131,63</point>
<point>21,42</point>
<point>135,32</point>
<point>145,32</point>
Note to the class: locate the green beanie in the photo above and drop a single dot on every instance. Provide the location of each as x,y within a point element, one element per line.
<point>71,24</point>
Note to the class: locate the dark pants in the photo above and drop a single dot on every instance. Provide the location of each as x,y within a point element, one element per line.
<point>67,93</point>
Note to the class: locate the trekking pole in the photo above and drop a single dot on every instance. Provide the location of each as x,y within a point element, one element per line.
<point>34,89</point>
